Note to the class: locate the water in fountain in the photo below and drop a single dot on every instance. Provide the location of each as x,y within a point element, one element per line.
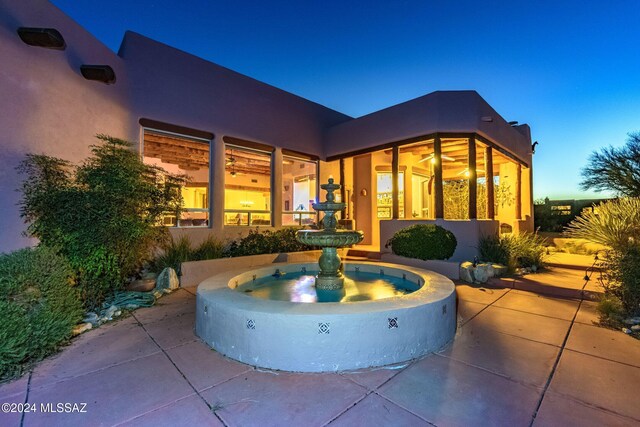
<point>329,284</point>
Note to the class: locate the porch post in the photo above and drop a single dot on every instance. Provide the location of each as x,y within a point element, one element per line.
<point>276,188</point>
<point>473,181</point>
<point>489,174</point>
<point>395,158</point>
<point>216,177</point>
<point>343,191</point>
<point>519,192</point>
<point>437,172</point>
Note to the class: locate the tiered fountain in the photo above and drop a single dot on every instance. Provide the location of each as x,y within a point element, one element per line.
<point>279,316</point>
<point>329,239</point>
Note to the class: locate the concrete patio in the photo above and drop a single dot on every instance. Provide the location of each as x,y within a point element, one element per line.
<point>518,359</point>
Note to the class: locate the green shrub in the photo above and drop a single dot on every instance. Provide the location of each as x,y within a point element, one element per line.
<point>495,249</point>
<point>103,215</point>
<point>514,251</point>
<point>267,242</point>
<point>210,248</point>
<point>177,251</point>
<point>423,241</point>
<point>173,254</point>
<point>621,277</point>
<point>38,307</point>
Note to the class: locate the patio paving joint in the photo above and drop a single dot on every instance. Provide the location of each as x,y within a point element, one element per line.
<point>399,405</point>
<point>369,392</point>
<point>180,372</point>
<point>555,365</point>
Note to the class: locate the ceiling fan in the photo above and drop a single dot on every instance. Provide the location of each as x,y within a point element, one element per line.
<point>432,158</point>
<point>230,160</point>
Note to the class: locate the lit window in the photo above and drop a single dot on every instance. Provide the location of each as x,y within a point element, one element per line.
<point>247,186</point>
<point>384,197</point>
<point>299,191</point>
<point>188,156</point>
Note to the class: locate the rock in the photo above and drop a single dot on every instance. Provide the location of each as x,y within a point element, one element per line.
<point>534,268</point>
<point>635,328</point>
<point>83,327</point>
<point>466,272</point>
<point>91,317</point>
<point>499,270</point>
<point>482,273</point>
<point>110,312</point>
<point>626,330</point>
<point>632,321</point>
<point>142,285</point>
<point>167,279</point>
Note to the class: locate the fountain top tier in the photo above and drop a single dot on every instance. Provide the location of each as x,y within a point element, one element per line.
<point>330,207</point>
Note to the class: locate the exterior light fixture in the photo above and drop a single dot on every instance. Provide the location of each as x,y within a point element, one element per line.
<point>99,73</point>
<point>49,38</point>
<point>513,123</point>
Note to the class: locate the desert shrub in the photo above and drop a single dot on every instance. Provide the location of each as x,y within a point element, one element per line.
<point>284,240</point>
<point>514,251</point>
<point>38,307</point>
<point>615,224</point>
<point>210,248</point>
<point>103,215</point>
<point>423,241</point>
<point>180,250</point>
<point>173,254</point>
<point>495,249</point>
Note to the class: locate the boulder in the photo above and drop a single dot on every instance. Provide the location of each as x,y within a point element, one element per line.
<point>78,329</point>
<point>466,272</point>
<point>142,285</point>
<point>498,270</point>
<point>167,279</point>
<point>482,273</point>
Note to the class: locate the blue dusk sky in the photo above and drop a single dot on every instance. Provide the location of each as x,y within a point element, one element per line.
<point>570,69</point>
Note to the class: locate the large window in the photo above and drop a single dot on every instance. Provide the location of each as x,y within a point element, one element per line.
<point>247,187</point>
<point>455,177</point>
<point>183,155</point>
<point>418,159</point>
<point>299,190</point>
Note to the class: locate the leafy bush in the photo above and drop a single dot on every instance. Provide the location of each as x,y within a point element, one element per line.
<point>423,241</point>
<point>621,277</point>
<point>177,251</point>
<point>103,215</point>
<point>514,251</point>
<point>267,242</point>
<point>38,307</point>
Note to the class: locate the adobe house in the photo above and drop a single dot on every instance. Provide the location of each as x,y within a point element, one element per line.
<point>255,154</point>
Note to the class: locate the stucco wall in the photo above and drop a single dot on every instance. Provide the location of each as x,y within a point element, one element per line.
<point>182,89</point>
<point>47,106</point>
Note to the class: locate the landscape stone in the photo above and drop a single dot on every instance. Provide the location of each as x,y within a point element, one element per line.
<point>167,279</point>
<point>482,273</point>
<point>78,329</point>
<point>466,272</point>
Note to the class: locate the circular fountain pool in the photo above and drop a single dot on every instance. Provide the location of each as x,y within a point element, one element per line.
<point>405,322</point>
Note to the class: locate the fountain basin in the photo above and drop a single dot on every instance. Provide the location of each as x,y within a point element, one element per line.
<point>321,337</point>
